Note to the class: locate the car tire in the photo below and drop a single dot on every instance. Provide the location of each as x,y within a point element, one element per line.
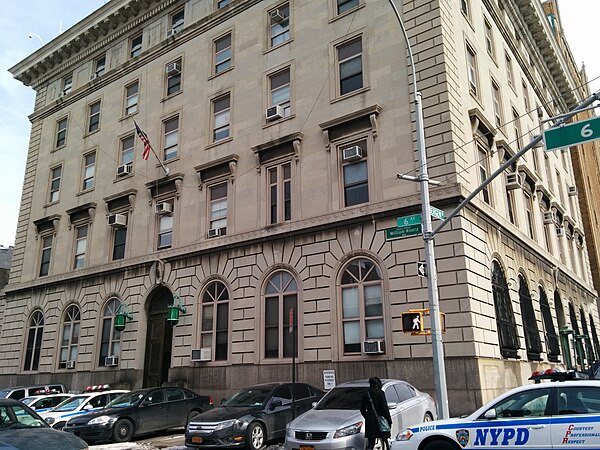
<point>440,445</point>
<point>123,431</point>
<point>255,438</point>
<point>191,415</point>
<point>428,417</point>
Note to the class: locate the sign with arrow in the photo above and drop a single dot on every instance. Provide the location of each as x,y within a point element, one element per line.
<point>422,269</point>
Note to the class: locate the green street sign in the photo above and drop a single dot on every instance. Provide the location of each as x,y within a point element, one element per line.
<point>400,232</point>
<point>408,221</point>
<point>437,213</point>
<point>572,134</point>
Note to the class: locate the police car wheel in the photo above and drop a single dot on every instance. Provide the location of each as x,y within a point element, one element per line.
<point>123,431</point>
<point>440,445</point>
<point>428,417</point>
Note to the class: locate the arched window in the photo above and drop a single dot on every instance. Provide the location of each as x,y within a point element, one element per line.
<point>34,341</point>
<point>281,295</point>
<point>110,344</point>
<point>70,336</point>
<point>552,343</point>
<point>362,304</point>
<point>505,316</point>
<point>532,335</point>
<point>215,320</point>
<point>595,337</point>
<point>589,350</point>
<point>560,311</point>
<point>573,317</point>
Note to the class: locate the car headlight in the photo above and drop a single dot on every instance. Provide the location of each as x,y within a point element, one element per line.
<point>226,424</point>
<point>101,420</point>
<point>348,431</point>
<point>404,435</point>
<point>50,420</point>
<point>290,432</point>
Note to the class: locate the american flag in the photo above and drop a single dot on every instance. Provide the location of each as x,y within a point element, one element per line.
<point>144,137</point>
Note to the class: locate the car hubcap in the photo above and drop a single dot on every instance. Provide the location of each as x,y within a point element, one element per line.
<point>123,431</point>
<point>257,437</point>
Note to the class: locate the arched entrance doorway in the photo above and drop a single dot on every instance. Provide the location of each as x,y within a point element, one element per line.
<point>159,338</point>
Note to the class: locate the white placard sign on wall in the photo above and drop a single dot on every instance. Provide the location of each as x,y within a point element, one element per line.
<point>328,379</point>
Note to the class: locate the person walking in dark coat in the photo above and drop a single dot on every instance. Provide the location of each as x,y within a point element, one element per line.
<point>375,397</point>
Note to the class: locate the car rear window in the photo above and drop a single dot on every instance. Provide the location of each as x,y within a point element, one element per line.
<point>343,398</point>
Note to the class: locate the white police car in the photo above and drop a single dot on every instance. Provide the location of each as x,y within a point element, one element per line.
<point>544,416</point>
<point>93,398</point>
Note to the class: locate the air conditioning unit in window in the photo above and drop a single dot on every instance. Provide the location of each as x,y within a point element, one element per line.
<point>214,232</point>
<point>123,169</point>
<point>202,354</point>
<point>513,180</point>
<point>94,76</point>
<point>560,231</point>
<point>172,32</point>
<point>572,190</point>
<point>549,217</point>
<point>173,68</point>
<point>70,364</point>
<point>353,153</point>
<point>374,347</point>
<point>117,220</point>
<point>164,208</point>
<point>111,361</point>
<point>274,113</point>
<point>278,16</point>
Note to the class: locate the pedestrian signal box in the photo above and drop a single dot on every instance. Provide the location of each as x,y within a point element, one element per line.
<point>412,322</point>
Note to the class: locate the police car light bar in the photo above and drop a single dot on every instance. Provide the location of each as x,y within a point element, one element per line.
<point>558,374</point>
<point>97,388</point>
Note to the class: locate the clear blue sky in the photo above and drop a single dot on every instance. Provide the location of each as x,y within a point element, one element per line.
<point>46,18</point>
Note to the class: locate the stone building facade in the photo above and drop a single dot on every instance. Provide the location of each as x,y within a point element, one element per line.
<point>277,130</point>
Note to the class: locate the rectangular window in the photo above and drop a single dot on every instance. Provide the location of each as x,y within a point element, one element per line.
<point>171,138</point>
<point>127,151</point>
<point>218,208</point>
<point>346,5</point>
<point>350,66</point>
<point>55,176</point>
<point>94,118</point>
<point>61,132</point>
<point>67,84</point>
<point>559,188</point>
<point>222,48</point>
<point>472,70</point>
<point>135,46</point>
<point>510,204</point>
<point>131,98</point>
<point>99,66</point>
<point>464,7</point>
<point>280,193</point>
<point>165,230</point>
<point>46,254</point>
<point>529,213</point>
<point>280,91</point>
<point>279,24</point>
<point>177,21</point>
<point>221,117</point>
<point>119,240</point>
<point>509,71</point>
<point>89,169</point>
<point>81,234</point>
<point>483,173</point>
<point>489,38</point>
<point>526,98</point>
<point>355,173</point>
<point>497,104</point>
<point>222,3</point>
<point>517,129</point>
<point>173,74</point>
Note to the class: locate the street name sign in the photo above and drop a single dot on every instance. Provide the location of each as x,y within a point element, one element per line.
<point>400,232</point>
<point>572,134</point>
<point>408,221</point>
<point>436,213</point>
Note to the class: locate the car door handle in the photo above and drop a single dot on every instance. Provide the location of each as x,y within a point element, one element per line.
<point>536,427</point>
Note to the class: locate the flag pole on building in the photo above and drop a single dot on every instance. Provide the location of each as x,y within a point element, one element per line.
<point>148,147</point>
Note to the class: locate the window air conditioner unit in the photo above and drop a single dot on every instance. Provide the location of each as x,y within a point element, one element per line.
<point>353,153</point>
<point>274,113</point>
<point>202,354</point>
<point>572,190</point>
<point>111,361</point>
<point>173,69</point>
<point>513,181</point>
<point>214,232</point>
<point>172,32</point>
<point>549,217</point>
<point>123,169</point>
<point>70,364</point>
<point>94,76</point>
<point>560,231</point>
<point>117,220</point>
<point>164,208</point>
<point>374,347</point>
<point>278,16</point>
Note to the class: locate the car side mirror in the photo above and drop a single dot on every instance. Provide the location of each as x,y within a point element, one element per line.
<point>223,400</point>
<point>88,407</point>
<point>392,405</point>
<point>490,414</point>
<point>313,404</point>
<point>275,404</point>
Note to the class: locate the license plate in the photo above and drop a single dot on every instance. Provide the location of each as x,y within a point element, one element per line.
<point>196,440</point>
<point>306,447</point>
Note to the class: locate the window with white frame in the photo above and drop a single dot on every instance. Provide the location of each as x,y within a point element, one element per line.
<point>221,110</point>
<point>361,288</point>
<point>171,138</point>
<point>131,98</point>
<point>280,296</point>
<point>464,8</point>
<point>496,100</point>
<point>110,338</point>
<point>279,24</point>
<point>222,3</point>
<point>81,239</point>
<point>218,207</point>
<point>33,349</point>
<point>355,172</point>
<point>135,46</point>
<point>509,71</point>
<point>46,255</point>
<point>89,171</point>
<point>67,84</point>
<point>345,5</point>
<point>222,53</point>
<point>69,342</point>
<point>489,38</point>
<point>119,241</point>
<point>517,129</point>
<point>472,70</point>
<point>173,77</point>
<point>55,177</point>
<point>526,101</point>
<point>280,91</point>
<point>61,132</point>
<point>99,65</point>
<point>177,21</point>
<point>94,117</point>
<point>165,225</point>
<point>214,333</point>
<point>484,170</point>
<point>280,192</point>
<point>127,151</point>
<point>350,65</point>
<point>528,203</point>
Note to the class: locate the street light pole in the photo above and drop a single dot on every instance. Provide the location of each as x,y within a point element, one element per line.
<point>439,370</point>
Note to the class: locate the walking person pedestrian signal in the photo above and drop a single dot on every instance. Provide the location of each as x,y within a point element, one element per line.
<point>412,322</point>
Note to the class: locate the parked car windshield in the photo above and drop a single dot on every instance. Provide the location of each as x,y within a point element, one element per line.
<point>70,404</point>
<point>254,396</point>
<point>129,399</point>
<point>28,400</point>
<point>343,398</point>
<point>15,417</point>
<point>4,392</point>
